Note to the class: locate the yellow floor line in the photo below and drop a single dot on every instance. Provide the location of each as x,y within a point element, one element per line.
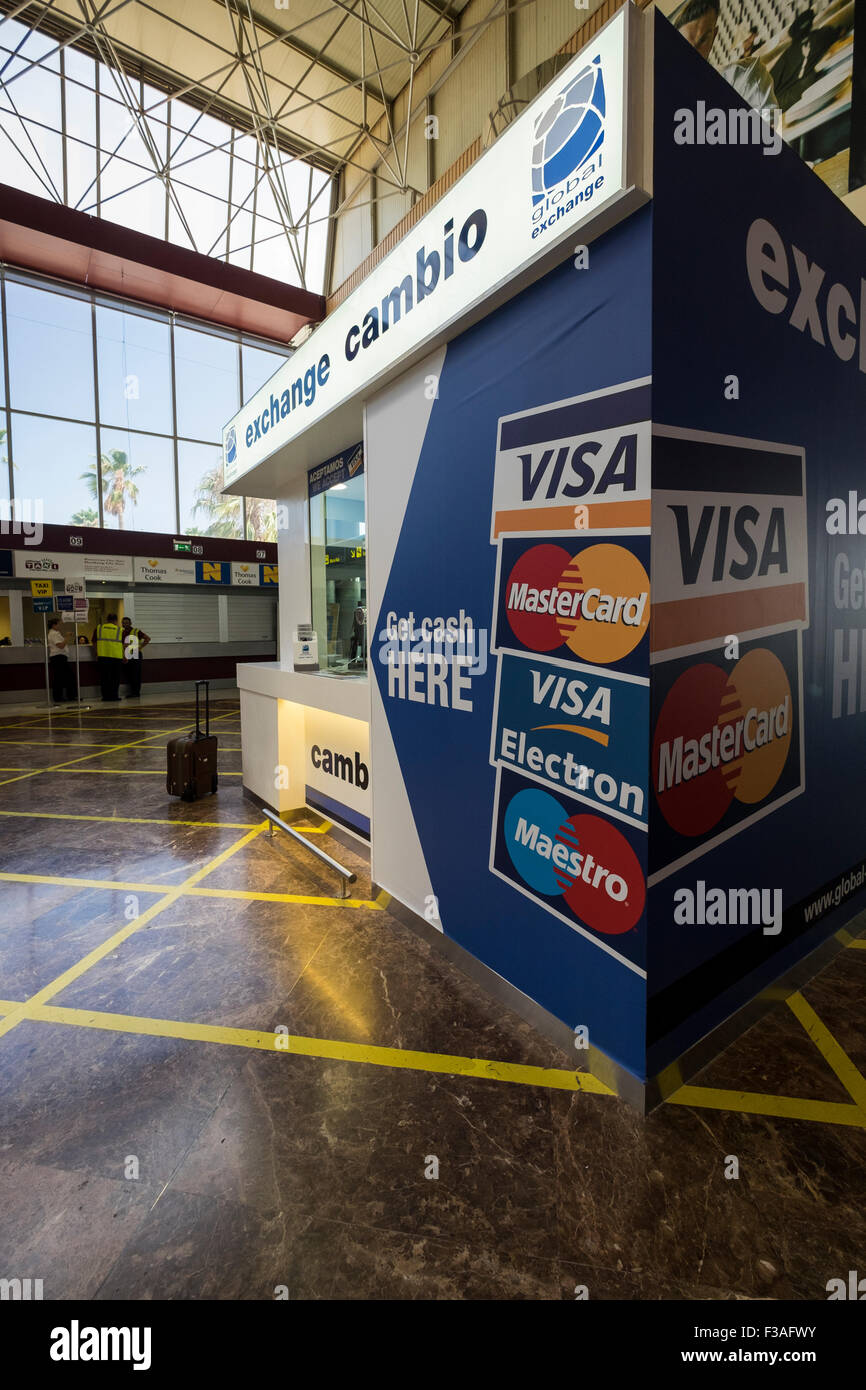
<point>110,748</point>
<point>243,895</point>
<point>858,945</point>
<point>133,820</point>
<point>95,729</point>
<point>118,772</point>
<point>744,1102</point>
<point>261,1040</point>
<point>110,885</point>
<point>782,1107</point>
<point>53,743</point>
<point>47,743</point>
<point>830,1050</point>
<point>111,944</point>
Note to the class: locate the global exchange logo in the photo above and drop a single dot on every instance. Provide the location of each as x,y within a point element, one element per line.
<point>568,138</point>
<point>581,858</point>
<point>231,446</point>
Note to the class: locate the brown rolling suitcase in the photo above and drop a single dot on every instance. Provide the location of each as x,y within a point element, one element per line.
<point>192,758</point>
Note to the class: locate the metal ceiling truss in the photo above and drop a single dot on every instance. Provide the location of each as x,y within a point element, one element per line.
<point>272,109</point>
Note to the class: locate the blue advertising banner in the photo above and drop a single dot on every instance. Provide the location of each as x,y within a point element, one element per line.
<point>541,880</point>
<point>759,556</point>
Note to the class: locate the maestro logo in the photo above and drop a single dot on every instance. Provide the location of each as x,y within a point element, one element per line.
<point>231,446</point>
<point>595,602</point>
<point>569,132</point>
<point>721,737</point>
<point>581,858</point>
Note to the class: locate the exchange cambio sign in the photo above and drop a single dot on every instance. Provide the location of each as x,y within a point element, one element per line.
<point>551,170</point>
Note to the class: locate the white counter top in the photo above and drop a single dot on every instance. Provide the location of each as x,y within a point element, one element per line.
<point>348,695</point>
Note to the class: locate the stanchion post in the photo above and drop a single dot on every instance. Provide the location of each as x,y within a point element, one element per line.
<point>47,667</point>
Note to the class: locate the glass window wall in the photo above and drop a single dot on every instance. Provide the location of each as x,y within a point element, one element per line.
<point>217,198</point>
<point>115,412</point>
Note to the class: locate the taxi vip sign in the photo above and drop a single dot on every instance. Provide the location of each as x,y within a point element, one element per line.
<point>579,464</point>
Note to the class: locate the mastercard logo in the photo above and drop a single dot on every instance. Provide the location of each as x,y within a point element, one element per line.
<point>596,602</point>
<point>721,737</point>
<point>583,859</point>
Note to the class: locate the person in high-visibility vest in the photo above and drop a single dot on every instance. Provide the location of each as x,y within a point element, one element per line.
<point>108,641</point>
<point>134,642</point>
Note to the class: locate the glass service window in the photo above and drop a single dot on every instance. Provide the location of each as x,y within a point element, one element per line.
<point>338,558</point>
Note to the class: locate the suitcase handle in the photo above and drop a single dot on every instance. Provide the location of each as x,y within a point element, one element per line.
<point>198,732</point>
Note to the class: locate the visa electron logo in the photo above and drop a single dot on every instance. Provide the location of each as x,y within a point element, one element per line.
<point>595,602</point>
<point>581,858</point>
<point>721,737</point>
<point>567,136</point>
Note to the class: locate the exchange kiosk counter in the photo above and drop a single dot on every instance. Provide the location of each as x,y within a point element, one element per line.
<point>306,742</point>
<point>613,425</point>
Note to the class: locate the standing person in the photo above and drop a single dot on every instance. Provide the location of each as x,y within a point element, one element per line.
<point>108,641</point>
<point>58,663</point>
<point>356,641</point>
<point>698,22</point>
<point>134,641</point>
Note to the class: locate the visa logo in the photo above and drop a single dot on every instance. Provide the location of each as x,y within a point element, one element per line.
<point>735,542</point>
<point>572,472</point>
<point>566,696</point>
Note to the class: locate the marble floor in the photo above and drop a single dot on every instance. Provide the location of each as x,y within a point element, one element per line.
<point>157,1143</point>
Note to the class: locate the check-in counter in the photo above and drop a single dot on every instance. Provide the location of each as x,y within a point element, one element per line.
<point>306,742</point>
<point>166,666</point>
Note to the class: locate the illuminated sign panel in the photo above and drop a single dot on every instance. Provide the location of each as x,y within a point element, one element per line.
<point>554,168</point>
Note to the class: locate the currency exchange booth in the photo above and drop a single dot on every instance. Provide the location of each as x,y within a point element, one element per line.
<point>610,396</point>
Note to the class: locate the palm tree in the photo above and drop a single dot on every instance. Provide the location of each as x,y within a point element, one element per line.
<point>261,519</point>
<point>210,499</point>
<point>118,487</point>
<point>87,516</point>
